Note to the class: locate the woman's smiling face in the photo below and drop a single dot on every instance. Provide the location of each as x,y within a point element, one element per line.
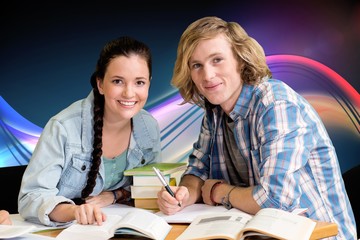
<point>125,86</point>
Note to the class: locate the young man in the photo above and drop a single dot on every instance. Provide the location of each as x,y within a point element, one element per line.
<point>261,144</point>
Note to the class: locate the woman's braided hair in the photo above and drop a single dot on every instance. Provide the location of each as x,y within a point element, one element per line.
<point>123,46</point>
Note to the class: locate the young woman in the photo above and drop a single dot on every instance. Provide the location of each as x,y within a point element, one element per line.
<point>78,163</point>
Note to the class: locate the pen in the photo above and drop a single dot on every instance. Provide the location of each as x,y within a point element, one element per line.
<point>162,180</point>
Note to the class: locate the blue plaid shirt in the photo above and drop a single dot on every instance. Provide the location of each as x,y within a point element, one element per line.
<point>291,160</point>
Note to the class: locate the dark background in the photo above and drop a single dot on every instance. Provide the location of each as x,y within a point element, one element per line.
<point>49,50</point>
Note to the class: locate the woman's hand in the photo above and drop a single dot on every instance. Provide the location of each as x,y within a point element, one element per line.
<point>104,199</point>
<point>83,214</point>
<point>5,217</point>
<point>89,214</point>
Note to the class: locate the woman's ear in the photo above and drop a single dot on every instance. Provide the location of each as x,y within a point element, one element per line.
<point>99,84</point>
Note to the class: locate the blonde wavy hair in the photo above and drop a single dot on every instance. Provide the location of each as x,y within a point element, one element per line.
<point>250,55</point>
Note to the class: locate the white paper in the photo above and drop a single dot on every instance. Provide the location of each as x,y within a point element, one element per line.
<point>189,213</point>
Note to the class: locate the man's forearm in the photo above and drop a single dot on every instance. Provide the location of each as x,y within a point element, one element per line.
<point>193,185</point>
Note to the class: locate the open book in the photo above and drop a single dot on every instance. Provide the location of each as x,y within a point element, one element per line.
<point>137,222</point>
<point>189,213</point>
<point>268,222</point>
<point>11,231</point>
<point>21,232</point>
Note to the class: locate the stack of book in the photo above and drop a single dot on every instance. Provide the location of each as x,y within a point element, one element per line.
<point>146,184</point>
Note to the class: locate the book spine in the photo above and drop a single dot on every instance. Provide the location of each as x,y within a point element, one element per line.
<point>143,180</point>
<point>165,169</point>
<point>146,203</point>
<point>144,191</point>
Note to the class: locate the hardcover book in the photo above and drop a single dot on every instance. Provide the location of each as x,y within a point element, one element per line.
<point>164,167</point>
<point>144,191</point>
<point>147,180</point>
<point>146,203</point>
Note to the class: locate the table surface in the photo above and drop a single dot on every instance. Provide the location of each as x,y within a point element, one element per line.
<point>322,230</point>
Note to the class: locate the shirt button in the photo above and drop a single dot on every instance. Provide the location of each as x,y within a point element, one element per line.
<point>142,161</point>
<point>83,167</point>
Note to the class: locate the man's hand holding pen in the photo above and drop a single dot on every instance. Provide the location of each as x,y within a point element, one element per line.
<point>167,196</point>
<point>164,183</point>
<point>170,205</point>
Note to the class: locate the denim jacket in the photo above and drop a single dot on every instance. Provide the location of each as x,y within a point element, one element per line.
<point>57,170</point>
